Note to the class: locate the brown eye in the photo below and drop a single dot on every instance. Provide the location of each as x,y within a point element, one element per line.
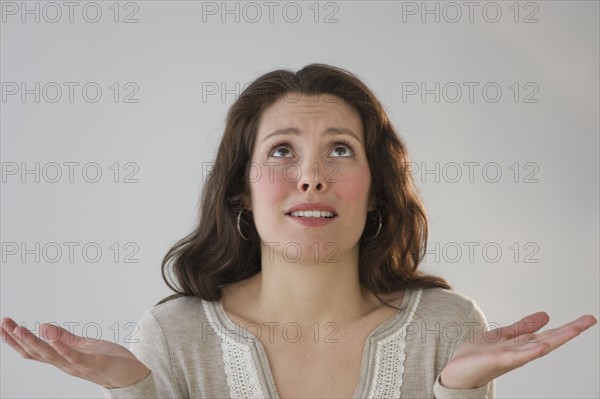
<point>342,150</point>
<point>280,151</point>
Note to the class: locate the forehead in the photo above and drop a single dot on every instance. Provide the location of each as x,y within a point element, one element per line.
<point>307,111</point>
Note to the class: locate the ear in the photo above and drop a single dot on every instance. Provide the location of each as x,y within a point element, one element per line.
<point>372,203</point>
<point>246,203</point>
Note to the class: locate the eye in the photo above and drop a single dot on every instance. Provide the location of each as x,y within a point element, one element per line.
<point>342,149</point>
<point>280,150</point>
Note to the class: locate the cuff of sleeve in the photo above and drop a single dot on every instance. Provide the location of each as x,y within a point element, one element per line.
<point>441,392</point>
<point>142,389</point>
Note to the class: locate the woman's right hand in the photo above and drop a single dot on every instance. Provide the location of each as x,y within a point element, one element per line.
<point>101,362</point>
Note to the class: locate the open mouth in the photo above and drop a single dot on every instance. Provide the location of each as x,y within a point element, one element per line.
<point>312,214</point>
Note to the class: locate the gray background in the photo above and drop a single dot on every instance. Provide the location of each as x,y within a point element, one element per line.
<point>176,53</point>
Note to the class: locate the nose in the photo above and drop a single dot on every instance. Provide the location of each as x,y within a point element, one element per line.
<point>306,187</point>
<point>312,179</point>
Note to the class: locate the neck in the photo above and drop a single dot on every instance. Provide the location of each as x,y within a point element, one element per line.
<point>307,291</point>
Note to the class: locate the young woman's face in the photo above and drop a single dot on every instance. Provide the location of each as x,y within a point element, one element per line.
<point>309,155</point>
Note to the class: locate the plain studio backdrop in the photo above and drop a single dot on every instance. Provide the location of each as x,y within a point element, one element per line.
<point>111,114</point>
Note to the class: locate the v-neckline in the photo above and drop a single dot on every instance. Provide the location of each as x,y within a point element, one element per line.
<point>368,356</point>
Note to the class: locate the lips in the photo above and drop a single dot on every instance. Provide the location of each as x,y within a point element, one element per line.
<point>312,214</point>
<point>312,210</point>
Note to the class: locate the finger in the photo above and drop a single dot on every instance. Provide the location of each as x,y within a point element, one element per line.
<point>567,332</point>
<point>23,338</point>
<point>36,348</point>
<point>68,353</point>
<point>64,342</point>
<point>582,324</point>
<point>6,337</point>
<point>57,350</point>
<point>52,333</point>
<point>8,334</point>
<point>8,324</point>
<point>527,325</point>
<point>44,351</point>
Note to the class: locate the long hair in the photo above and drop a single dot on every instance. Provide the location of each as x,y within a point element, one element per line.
<point>214,255</point>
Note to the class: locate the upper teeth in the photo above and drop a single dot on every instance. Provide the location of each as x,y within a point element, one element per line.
<point>313,214</point>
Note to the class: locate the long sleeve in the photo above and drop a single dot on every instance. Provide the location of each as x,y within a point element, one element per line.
<point>441,392</point>
<point>150,347</point>
<point>474,324</point>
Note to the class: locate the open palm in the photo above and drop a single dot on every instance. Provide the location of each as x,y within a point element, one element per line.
<point>479,360</point>
<point>102,362</point>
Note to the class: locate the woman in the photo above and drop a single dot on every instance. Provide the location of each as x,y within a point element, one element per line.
<point>301,277</point>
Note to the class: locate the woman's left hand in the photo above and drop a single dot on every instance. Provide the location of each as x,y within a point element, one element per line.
<point>479,360</point>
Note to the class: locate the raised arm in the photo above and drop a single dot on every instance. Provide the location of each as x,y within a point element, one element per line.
<point>101,362</point>
<point>490,355</point>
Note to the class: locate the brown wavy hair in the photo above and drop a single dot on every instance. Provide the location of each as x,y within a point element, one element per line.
<point>214,255</point>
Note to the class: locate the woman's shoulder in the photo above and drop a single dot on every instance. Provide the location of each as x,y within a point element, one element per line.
<point>440,304</point>
<point>444,295</point>
<point>177,312</point>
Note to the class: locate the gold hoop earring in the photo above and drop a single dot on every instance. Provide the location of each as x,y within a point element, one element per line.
<point>379,227</point>
<point>239,216</point>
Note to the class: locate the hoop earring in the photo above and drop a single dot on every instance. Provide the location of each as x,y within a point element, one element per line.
<point>238,225</point>
<point>379,227</point>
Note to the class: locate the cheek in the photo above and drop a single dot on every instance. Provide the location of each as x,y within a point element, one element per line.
<point>353,185</point>
<point>267,188</point>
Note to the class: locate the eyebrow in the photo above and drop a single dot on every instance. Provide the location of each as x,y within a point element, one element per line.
<point>329,131</point>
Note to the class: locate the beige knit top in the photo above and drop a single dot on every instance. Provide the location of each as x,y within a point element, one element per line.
<point>195,350</point>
